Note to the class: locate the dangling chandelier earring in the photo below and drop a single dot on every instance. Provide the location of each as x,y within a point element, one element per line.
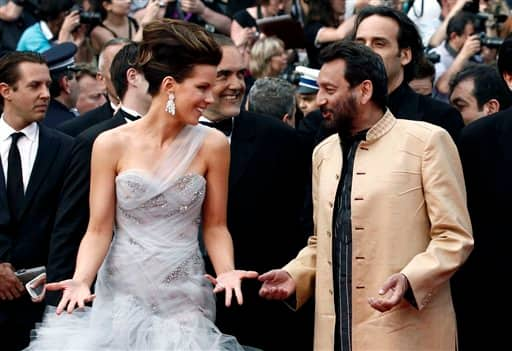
<point>170,107</point>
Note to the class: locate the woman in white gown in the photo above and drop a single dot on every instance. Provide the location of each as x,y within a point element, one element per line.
<point>152,180</point>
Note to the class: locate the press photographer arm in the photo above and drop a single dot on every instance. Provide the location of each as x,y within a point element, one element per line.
<point>221,22</point>
<point>440,34</point>
<point>471,47</point>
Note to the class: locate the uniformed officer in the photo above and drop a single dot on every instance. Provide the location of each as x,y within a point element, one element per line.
<point>64,88</point>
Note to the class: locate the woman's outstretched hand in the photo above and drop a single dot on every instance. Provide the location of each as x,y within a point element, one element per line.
<point>74,293</point>
<point>229,281</point>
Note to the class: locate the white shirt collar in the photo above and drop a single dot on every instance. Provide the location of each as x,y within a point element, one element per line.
<point>130,111</point>
<point>204,119</point>
<point>46,30</point>
<point>114,106</point>
<point>6,130</point>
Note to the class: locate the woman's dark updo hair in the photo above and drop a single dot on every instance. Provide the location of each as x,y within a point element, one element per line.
<point>172,48</point>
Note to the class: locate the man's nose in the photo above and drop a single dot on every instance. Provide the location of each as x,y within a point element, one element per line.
<point>45,93</point>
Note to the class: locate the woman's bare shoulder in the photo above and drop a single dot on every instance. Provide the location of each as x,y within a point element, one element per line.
<point>215,141</point>
<point>113,139</point>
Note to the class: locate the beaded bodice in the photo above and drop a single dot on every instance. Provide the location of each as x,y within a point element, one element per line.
<point>183,197</point>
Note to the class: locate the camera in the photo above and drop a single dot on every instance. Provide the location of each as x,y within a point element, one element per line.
<point>433,57</point>
<point>490,42</point>
<point>87,17</point>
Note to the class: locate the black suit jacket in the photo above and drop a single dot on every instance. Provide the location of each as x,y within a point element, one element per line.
<point>266,185</point>
<point>73,212</point>
<point>406,103</point>
<point>76,126</point>
<point>485,148</point>
<point>57,113</point>
<point>26,244</point>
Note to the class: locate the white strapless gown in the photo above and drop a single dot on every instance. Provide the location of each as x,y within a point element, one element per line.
<point>151,293</point>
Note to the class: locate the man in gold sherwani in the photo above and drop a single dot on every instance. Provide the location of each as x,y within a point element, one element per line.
<point>391,223</point>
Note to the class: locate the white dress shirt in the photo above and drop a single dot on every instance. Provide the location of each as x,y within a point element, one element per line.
<point>205,119</point>
<point>28,146</point>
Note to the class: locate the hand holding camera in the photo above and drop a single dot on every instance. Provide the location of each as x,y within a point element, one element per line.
<point>471,46</point>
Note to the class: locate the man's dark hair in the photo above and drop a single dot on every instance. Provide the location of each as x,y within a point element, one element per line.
<point>122,62</point>
<point>458,22</point>
<point>55,87</point>
<point>272,97</point>
<point>505,56</point>
<point>408,35</point>
<point>361,64</point>
<point>9,66</point>
<point>425,69</point>
<point>488,84</point>
<point>50,10</point>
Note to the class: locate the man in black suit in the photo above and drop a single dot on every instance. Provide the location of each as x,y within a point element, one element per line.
<point>266,184</point>
<point>392,35</point>
<point>104,112</point>
<point>34,160</point>
<point>485,147</point>
<point>73,213</point>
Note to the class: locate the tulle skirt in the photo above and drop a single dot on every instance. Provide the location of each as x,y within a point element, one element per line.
<point>128,325</point>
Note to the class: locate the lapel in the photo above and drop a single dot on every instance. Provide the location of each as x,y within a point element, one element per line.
<point>3,191</point>
<point>504,156</point>
<point>405,103</point>
<point>243,145</point>
<point>46,153</point>
<point>120,118</point>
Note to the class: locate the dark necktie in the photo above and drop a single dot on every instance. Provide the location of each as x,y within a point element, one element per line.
<point>225,126</point>
<point>15,193</point>
<point>130,117</point>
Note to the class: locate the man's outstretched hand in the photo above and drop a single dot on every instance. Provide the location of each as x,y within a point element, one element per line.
<point>277,285</point>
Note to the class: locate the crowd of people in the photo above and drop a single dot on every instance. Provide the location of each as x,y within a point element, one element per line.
<point>187,181</point>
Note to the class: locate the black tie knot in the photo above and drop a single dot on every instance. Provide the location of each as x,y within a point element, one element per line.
<point>16,136</point>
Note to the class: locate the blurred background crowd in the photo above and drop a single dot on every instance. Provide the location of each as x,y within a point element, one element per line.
<point>454,33</point>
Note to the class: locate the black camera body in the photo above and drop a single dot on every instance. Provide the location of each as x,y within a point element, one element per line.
<point>490,42</point>
<point>88,17</point>
<point>433,57</point>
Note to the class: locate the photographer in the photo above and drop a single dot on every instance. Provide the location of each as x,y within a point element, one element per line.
<point>461,45</point>
<point>14,19</point>
<point>58,24</point>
